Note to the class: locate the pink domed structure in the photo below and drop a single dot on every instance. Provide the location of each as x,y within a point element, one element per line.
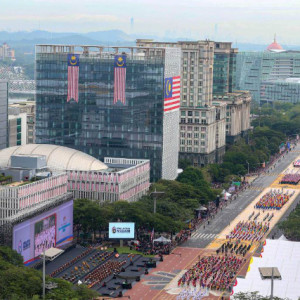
<point>274,46</point>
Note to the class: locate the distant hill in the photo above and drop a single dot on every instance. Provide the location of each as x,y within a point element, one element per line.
<point>27,40</point>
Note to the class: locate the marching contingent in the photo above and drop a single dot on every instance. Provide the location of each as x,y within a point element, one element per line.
<point>274,200</point>
<point>249,231</point>
<point>212,272</point>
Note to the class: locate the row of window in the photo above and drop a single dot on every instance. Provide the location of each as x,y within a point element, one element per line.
<point>191,121</point>
<point>191,90</point>
<point>192,98</point>
<point>200,83</point>
<point>190,135</point>
<point>192,69</point>
<point>190,128</point>
<point>192,149</point>
<point>195,113</point>
<point>190,142</point>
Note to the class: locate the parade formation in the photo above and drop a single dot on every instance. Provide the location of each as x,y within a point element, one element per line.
<point>275,199</point>
<point>213,272</point>
<point>249,231</point>
<point>291,179</point>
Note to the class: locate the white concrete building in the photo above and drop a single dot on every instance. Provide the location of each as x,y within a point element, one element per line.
<point>17,127</point>
<point>27,107</point>
<point>237,114</point>
<point>115,179</point>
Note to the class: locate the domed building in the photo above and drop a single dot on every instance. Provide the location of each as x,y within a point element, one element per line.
<point>275,46</point>
<point>115,179</point>
<point>58,158</point>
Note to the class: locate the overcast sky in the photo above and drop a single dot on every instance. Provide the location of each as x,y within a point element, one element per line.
<point>252,20</point>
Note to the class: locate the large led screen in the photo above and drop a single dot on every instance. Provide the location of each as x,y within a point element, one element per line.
<point>121,230</point>
<point>53,228</point>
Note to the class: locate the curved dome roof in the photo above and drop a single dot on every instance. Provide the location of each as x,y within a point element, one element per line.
<point>274,46</point>
<point>58,158</point>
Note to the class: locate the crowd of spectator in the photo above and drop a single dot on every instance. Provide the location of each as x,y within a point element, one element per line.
<point>71,262</point>
<point>103,271</point>
<point>213,272</point>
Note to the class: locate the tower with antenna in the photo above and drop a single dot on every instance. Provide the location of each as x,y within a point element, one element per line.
<point>132,25</point>
<point>216,31</point>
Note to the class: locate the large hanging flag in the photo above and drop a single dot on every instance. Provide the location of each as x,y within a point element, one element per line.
<point>120,79</point>
<point>172,94</point>
<point>73,76</point>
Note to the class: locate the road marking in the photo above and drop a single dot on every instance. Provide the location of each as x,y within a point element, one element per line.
<point>203,236</point>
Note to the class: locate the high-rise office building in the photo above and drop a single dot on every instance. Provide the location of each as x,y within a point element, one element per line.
<point>3,113</point>
<point>207,67</point>
<point>28,108</point>
<point>132,25</point>
<point>237,114</point>
<point>224,77</point>
<point>17,127</point>
<point>202,124</point>
<point>224,90</point>
<point>111,104</point>
<point>283,90</point>
<point>6,53</point>
<point>264,73</point>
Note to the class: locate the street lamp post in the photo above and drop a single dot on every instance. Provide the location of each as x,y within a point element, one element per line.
<point>248,167</point>
<point>270,273</point>
<point>272,284</point>
<point>155,195</point>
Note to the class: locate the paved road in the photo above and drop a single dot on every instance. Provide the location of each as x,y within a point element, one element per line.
<point>203,236</point>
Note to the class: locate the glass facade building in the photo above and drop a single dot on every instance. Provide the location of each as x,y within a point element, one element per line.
<point>96,125</point>
<point>280,90</point>
<point>224,78</point>
<point>254,68</point>
<point>3,114</point>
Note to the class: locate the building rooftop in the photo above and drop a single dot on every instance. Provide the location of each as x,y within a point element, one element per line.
<point>274,46</point>
<point>58,158</point>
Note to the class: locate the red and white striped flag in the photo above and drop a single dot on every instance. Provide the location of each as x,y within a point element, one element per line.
<point>120,79</point>
<point>152,234</point>
<point>73,76</point>
<point>172,94</point>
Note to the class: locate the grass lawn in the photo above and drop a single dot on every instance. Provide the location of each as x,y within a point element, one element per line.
<point>126,250</point>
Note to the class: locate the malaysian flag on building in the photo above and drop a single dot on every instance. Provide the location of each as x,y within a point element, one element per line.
<point>172,94</point>
<point>73,76</point>
<point>120,79</point>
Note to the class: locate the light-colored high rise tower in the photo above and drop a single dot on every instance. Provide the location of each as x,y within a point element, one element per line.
<point>3,113</point>
<point>132,25</point>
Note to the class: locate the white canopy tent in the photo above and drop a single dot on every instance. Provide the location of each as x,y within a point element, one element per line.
<point>52,253</point>
<point>162,239</point>
<point>284,255</point>
<point>226,195</point>
<point>283,238</point>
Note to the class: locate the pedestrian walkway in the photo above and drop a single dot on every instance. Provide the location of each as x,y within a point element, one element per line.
<point>270,174</point>
<point>201,235</point>
<point>256,188</point>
